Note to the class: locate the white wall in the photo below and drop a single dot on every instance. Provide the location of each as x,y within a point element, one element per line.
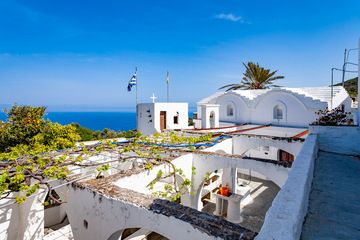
<point>105,216</point>
<point>298,110</point>
<point>295,112</point>
<point>23,221</point>
<point>206,111</point>
<point>145,118</point>
<point>241,110</point>
<point>260,152</point>
<point>244,143</point>
<point>285,218</point>
<point>225,146</point>
<point>54,215</point>
<point>149,125</point>
<point>138,182</point>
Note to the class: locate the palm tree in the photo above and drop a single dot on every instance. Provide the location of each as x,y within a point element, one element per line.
<point>255,77</point>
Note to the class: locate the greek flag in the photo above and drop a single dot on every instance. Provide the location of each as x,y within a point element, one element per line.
<point>132,82</point>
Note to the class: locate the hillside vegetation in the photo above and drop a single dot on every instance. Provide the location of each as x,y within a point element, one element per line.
<point>351,86</point>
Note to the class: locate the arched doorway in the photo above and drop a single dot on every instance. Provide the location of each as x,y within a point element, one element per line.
<point>135,234</point>
<point>212,119</point>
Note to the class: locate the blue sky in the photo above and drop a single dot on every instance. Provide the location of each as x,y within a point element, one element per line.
<point>79,55</point>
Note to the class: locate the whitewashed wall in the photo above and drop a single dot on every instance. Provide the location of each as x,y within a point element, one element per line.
<point>295,112</point>
<point>23,221</point>
<point>244,143</point>
<point>138,182</point>
<point>95,217</point>
<point>261,152</point>
<point>145,118</point>
<point>54,215</point>
<point>206,111</point>
<point>298,110</point>
<point>285,218</point>
<point>242,112</point>
<point>149,125</point>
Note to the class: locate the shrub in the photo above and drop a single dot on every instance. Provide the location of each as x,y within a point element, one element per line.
<point>334,117</point>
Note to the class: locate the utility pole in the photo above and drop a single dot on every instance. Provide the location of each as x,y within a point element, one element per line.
<point>167,85</point>
<point>343,68</point>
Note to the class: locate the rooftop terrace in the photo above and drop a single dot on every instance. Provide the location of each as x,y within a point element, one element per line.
<point>334,210</point>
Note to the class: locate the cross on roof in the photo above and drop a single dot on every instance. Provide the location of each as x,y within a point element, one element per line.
<point>153,97</point>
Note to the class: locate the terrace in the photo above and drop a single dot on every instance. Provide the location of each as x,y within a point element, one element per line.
<point>125,198</point>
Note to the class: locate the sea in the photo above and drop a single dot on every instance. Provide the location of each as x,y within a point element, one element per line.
<point>119,121</point>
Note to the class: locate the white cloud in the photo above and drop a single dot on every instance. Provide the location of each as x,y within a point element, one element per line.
<point>229,17</point>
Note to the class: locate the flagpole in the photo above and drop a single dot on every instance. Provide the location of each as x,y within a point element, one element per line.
<point>136,90</point>
<point>167,86</point>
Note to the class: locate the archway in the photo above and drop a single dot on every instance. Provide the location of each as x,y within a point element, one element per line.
<point>212,119</point>
<point>135,234</point>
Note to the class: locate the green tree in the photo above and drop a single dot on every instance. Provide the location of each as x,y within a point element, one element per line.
<point>24,139</point>
<point>255,77</point>
<point>23,123</point>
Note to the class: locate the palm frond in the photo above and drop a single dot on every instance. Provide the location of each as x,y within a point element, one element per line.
<point>255,77</point>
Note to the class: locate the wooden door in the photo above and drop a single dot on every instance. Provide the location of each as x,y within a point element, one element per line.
<point>285,156</point>
<point>162,120</point>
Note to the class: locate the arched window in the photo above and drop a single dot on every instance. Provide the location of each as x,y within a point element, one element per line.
<point>278,112</point>
<point>229,110</point>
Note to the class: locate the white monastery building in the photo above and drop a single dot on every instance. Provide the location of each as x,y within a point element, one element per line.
<point>277,106</point>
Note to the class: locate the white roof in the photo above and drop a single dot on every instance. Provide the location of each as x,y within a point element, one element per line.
<point>322,94</point>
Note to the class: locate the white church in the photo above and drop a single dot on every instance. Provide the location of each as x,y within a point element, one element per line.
<point>293,107</point>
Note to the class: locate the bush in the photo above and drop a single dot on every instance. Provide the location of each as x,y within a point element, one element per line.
<point>333,117</point>
<point>26,126</point>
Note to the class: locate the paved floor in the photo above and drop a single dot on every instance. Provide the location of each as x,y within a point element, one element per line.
<point>263,193</point>
<point>63,233</point>
<point>334,209</point>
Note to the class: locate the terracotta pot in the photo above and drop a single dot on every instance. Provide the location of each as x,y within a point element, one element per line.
<point>224,191</point>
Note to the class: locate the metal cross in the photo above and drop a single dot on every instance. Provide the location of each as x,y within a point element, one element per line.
<point>153,98</point>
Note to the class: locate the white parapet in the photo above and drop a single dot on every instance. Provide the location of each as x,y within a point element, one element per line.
<point>285,218</point>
